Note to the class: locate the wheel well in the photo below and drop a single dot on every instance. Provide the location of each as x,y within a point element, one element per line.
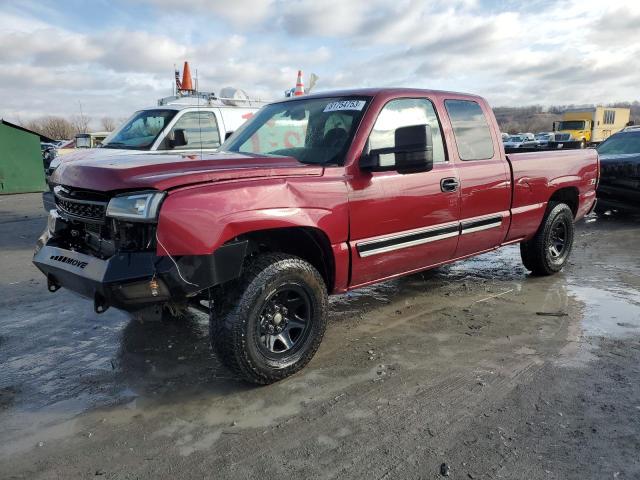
<point>310,244</point>
<point>568,195</point>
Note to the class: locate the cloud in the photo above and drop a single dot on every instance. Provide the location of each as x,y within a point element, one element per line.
<point>242,13</point>
<point>324,19</point>
<point>570,51</point>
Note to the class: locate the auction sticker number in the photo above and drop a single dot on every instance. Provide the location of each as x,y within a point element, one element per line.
<point>344,105</point>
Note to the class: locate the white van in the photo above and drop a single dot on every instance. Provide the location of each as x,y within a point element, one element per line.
<point>197,123</point>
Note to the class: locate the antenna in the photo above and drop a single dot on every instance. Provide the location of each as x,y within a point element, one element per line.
<point>82,121</point>
<point>199,115</point>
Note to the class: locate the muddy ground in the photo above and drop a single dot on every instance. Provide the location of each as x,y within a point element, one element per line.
<point>477,365</point>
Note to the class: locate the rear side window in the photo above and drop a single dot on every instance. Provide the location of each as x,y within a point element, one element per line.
<point>470,129</point>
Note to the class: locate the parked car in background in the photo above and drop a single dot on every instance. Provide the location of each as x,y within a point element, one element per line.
<point>513,141</point>
<point>528,136</point>
<point>519,141</point>
<point>49,152</point>
<point>619,185</point>
<point>544,138</point>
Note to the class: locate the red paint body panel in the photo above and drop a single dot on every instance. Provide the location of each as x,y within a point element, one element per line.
<point>214,199</point>
<point>199,219</point>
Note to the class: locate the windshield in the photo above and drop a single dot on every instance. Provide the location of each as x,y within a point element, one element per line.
<point>543,136</point>
<point>140,131</point>
<point>571,125</point>
<point>311,130</point>
<point>515,139</point>
<point>620,144</point>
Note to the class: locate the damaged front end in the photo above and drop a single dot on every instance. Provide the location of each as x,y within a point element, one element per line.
<point>105,248</point>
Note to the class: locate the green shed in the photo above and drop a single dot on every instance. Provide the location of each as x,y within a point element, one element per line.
<point>21,167</point>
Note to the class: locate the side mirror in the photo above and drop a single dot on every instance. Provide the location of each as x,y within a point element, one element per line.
<point>413,152</point>
<point>179,138</point>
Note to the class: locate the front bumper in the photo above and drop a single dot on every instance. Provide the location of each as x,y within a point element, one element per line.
<point>134,280</point>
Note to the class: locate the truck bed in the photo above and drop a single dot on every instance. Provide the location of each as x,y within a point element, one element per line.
<point>536,175</point>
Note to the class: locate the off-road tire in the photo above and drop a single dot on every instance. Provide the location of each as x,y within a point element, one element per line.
<point>536,254</point>
<point>236,315</point>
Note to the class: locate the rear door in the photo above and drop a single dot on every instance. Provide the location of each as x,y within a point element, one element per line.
<point>485,180</point>
<point>401,223</point>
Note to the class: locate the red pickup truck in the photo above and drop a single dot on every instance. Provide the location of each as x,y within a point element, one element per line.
<point>314,195</point>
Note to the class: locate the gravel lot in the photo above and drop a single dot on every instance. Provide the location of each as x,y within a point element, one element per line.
<point>477,366</point>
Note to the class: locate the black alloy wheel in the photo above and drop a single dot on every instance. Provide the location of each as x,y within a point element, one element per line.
<point>269,323</point>
<point>285,320</point>
<point>557,240</point>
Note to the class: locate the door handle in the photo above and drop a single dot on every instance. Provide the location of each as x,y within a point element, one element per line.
<point>449,184</point>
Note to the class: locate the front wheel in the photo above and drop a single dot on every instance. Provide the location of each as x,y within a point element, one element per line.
<point>548,251</point>
<point>268,324</point>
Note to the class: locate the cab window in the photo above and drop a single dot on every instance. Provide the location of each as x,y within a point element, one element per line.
<point>200,131</point>
<point>470,130</point>
<point>405,112</point>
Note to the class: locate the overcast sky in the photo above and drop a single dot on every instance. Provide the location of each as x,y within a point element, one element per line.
<point>116,56</point>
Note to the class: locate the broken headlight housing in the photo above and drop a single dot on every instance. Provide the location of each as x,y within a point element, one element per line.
<point>137,207</point>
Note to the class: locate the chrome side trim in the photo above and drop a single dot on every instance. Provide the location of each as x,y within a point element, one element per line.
<point>481,227</point>
<point>481,224</point>
<point>407,239</point>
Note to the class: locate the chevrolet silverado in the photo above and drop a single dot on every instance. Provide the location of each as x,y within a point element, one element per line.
<point>314,195</point>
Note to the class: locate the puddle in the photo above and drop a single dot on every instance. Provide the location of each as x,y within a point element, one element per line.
<point>611,312</point>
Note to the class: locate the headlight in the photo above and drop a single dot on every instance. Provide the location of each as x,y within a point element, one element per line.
<point>141,207</point>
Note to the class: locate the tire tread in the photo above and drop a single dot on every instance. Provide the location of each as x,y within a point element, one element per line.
<point>232,303</point>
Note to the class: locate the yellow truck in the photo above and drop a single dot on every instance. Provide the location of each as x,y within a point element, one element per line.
<point>592,125</point>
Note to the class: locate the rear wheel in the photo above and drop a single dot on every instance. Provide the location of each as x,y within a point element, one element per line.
<point>268,324</point>
<point>548,251</point>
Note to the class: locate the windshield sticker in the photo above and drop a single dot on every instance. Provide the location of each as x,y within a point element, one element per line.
<point>344,105</point>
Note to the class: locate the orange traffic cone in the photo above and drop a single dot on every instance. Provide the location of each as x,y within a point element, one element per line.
<point>299,85</point>
<point>186,78</point>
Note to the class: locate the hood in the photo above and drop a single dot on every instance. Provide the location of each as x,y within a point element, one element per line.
<point>167,171</point>
<point>91,154</point>
<point>98,153</point>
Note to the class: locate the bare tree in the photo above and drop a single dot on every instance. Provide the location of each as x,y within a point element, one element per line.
<point>80,123</point>
<point>108,124</point>
<point>56,128</point>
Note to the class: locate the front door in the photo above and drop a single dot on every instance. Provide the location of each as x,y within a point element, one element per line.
<point>401,223</point>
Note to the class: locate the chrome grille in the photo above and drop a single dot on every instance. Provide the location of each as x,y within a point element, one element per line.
<point>80,205</point>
